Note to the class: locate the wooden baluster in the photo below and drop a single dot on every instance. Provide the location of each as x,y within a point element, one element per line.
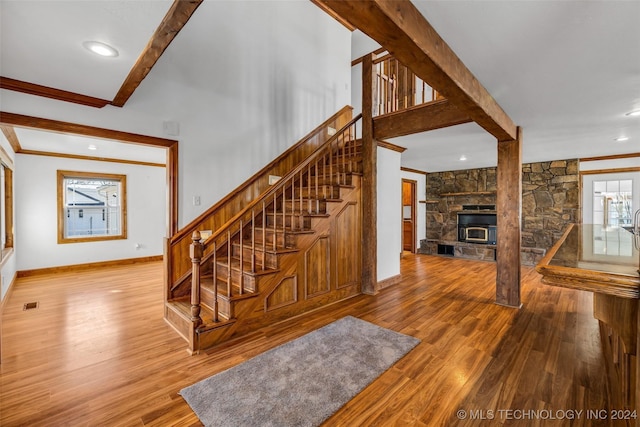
<point>424,92</point>
<point>381,89</point>
<point>229,263</point>
<point>343,166</point>
<point>241,257</point>
<point>352,146</point>
<point>324,187</point>
<point>388,86</point>
<point>383,86</point>
<point>309,188</point>
<point>407,86</point>
<point>215,283</point>
<point>275,219</point>
<point>293,193</point>
<point>253,240</point>
<point>195,252</point>
<point>264,233</point>
<point>396,89</point>
<point>330,162</point>
<point>284,209</point>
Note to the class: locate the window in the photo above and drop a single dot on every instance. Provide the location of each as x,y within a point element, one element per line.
<point>91,207</point>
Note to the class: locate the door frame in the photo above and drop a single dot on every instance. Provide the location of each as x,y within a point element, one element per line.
<point>414,187</point>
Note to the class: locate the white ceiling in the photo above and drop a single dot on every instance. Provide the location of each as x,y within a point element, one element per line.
<point>565,71</point>
<point>41,41</point>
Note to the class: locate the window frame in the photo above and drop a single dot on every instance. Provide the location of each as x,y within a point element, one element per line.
<point>6,192</point>
<point>62,175</point>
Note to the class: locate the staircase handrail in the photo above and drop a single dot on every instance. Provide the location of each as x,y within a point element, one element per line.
<point>193,224</point>
<point>176,267</point>
<point>281,182</point>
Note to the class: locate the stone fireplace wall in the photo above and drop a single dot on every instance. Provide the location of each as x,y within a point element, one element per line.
<point>550,202</point>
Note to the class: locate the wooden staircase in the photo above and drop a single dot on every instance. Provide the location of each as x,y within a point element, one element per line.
<point>294,248</point>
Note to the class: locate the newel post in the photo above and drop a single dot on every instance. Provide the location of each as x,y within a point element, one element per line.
<point>195,252</point>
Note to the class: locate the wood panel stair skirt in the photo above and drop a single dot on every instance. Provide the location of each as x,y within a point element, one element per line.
<point>294,248</point>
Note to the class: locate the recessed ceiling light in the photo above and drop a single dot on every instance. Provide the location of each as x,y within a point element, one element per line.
<point>622,138</point>
<point>633,113</point>
<point>92,147</point>
<point>463,158</point>
<point>100,48</point>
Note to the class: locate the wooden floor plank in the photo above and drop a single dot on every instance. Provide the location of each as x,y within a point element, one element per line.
<point>96,351</point>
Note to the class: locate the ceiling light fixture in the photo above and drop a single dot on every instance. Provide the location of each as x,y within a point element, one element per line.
<point>92,147</point>
<point>100,48</point>
<point>633,113</point>
<point>463,158</point>
<point>622,138</point>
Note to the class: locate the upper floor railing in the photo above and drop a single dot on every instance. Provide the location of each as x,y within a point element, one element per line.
<point>398,88</point>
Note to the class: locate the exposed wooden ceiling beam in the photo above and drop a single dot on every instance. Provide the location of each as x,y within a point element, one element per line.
<point>50,92</point>
<point>94,158</point>
<point>10,133</point>
<point>400,28</point>
<point>431,116</point>
<point>173,22</point>
<point>20,120</point>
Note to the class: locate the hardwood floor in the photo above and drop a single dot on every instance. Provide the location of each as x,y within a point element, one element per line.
<point>96,351</point>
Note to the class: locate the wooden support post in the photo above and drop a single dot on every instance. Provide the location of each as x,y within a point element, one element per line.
<point>509,208</point>
<point>195,252</point>
<point>369,182</point>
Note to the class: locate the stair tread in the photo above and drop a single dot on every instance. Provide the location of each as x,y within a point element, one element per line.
<point>182,305</point>
<point>222,291</point>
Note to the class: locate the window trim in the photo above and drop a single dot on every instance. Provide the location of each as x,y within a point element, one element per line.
<point>7,193</point>
<point>62,175</point>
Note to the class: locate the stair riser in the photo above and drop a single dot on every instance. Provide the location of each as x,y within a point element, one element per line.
<point>224,307</point>
<point>283,240</point>
<point>298,222</point>
<point>313,206</point>
<point>270,259</point>
<point>343,165</point>
<point>324,192</point>
<point>249,280</point>
<point>330,180</point>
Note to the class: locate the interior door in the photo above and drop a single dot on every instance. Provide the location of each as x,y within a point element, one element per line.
<point>409,215</point>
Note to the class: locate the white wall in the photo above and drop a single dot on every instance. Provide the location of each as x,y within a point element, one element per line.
<point>8,269</point>
<point>361,45</point>
<point>631,162</point>
<point>421,211</point>
<point>356,88</point>
<point>389,183</point>
<point>268,73</point>
<point>36,213</point>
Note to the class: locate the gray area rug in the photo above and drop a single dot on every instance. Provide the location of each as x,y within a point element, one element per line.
<point>302,382</point>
